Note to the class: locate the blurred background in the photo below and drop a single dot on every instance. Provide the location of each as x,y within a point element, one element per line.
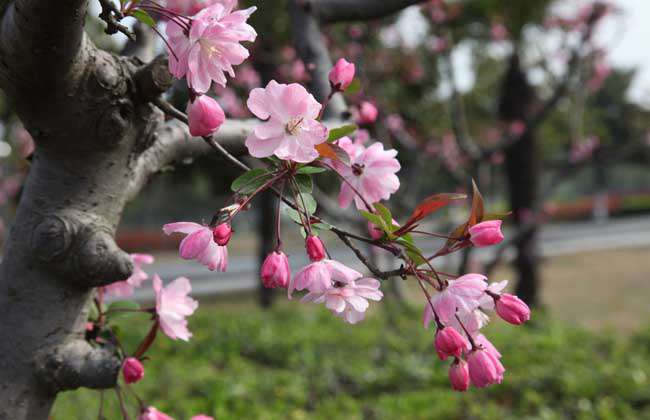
<point>544,103</point>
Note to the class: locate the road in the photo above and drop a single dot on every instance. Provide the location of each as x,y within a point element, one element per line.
<point>556,239</point>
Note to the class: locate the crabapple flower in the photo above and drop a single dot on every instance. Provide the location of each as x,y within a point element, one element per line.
<point>205,116</point>
<point>461,296</point>
<point>275,270</point>
<point>291,130</point>
<point>211,46</point>
<point>348,300</point>
<point>315,248</point>
<point>449,342</point>
<point>199,245</point>
<point>459,375</point>
<point>132,370</point>
<point>124,289</point>
<point>173,305</point>
<point>319,276</point>
<point>151,413</point>
<point>371,174</point>
<point>367,113</point>
<point>484,368</point>
<point>189,7</point>
<point>342,75</point>
<point>202,417</point>
<point>512,309</point>
<point>486,233</point>
<point>487,301</point>
<point>222,233</point>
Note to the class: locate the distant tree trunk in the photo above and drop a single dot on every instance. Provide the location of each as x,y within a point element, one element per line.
<point>522,172</point>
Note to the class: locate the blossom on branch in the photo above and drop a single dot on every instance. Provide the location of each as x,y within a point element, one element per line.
<point>205,116</point>
<point>199,245</point>
<point>348,300</point>
<point>124,289</point>
<point>173,305</point>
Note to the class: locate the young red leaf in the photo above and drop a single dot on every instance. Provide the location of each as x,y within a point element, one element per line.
<point>478,207</point>
<point>428,206</point>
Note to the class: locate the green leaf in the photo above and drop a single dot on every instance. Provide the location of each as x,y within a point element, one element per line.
<point>374,219</point>
<point>310,202</point>
<point>413,252</point>
<point>250,181</point>
<point>337,133</point>
<point>293,215</point>
<point>143,17</point>
<point>354,87</point>
<point>305,183</point>
<point>308,170</point>
<point>122,308</point>
<point>384,213</point>
<point>93,313</point>
<point>322,226</point>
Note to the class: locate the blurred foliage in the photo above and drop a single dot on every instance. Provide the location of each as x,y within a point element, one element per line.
<point>299,363</point>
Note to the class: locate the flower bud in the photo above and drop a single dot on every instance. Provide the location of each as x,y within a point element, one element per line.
<point>449,342</point>
<point>342,75</point>
<point>484,368</point>
<point>151,413</point>
<point>275,270</point>
<point>205,116</point>
<point>315,248</point>
<point>486,233</point>
<point>367,113</point>
<point>512,309</point>
<point>132,370</point>
<point>459,375</point>
<point>222,234</point>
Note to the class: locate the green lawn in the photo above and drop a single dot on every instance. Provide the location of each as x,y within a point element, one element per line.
<point>298,362</point>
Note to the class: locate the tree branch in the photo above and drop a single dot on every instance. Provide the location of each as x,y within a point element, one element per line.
<point>346,10</point>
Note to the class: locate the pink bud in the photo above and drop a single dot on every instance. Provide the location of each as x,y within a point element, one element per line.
<point>315,248</point>
<point>459,375</point>
<point>367,113</point>
<point>201,417</point>
<point>512,309</point>
<point>222,234</point>
<point>151,413</point>
<point>484,368</point>
<point>449,342</point>
<point>275,270</point>
<point>342,75</point>
<point>205,116</point>
<point>486,233</point>
<point>132,370</point>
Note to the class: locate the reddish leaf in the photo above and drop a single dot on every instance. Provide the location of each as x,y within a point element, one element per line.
<point>428,206</point>
<point>333,151</point>
<point>457,234</point>
<point>478,207</point>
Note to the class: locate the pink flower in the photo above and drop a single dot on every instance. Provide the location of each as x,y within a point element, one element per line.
<point>459,375</point>
<point>211,46</point>
<point>205,116</point>
<point>371,173</point>
<point>348,300</point>
<point>341,75</point>
<point>487,301</point>
<point>367,113</point>
<point>290,131</point>
<point>484,368</point>
<point>449,342</point>
<point>512,309</point>
<point>221,234</point>
<point>319,276</point>
<point>275,270</point>
<point>499,32</point>
<point>486,233</point>
<point>462,296</point>
<point>151,413</point>
<point>132,370</point>
<point>202,417</point>
<point>377,233</point>
<point>124,289</point>
<point>315,248</point>
<point>190,7</point>
<point>199,245</point>
<point>173,306</point>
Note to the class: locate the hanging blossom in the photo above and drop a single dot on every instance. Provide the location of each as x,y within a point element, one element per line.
<point>371,173</point>
<point>348,300</point>
<point>291,130</point>
<point>205,47</point>
<point>199,245</point>
<point>125,289</point>
<point>173,306</point>
<point>191,7</point>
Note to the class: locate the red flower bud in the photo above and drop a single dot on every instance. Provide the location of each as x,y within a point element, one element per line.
<point>367,113</point>
<point>342,75</point>
<point>315,248</point>
<point>486,233</point>
<point>450,342</point>
<point>459,375</point>
<point>205,116</point>
<point>512,309</point>
<point>222,234</point>
<point>132,370</point>
<point>275,270</point>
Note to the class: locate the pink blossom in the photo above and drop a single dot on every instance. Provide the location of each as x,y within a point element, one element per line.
<point>248,76</point>
<point>481,341</point>
<point>459,375</point>
<point>231,103</point>
<point>486,233</point>
<point>124,289</point>
<point>512,309</point>
<point>173,305</point>
<point>315,248</point>
<point>371,173</point>
<point>299,71</point>
<point>205,116</point>
<point>342,75</point>
<point>199,245</point>
<point>499,32</point>
<point>461,295</point>
<point>275,270</point>
<point>394,123</point>
<point>151,413</point>
<point>487,301</point>
<point>212,45</point>
<point>319,276</point>
<point>367,113</point>
<point>221,234</point>
<point>484,368</point>
<point>202,417</point>
<point>291,130</point>
<point>132,370</point>
<point>449,342</point>
<point>349,299</point>
<point>190,7</point>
